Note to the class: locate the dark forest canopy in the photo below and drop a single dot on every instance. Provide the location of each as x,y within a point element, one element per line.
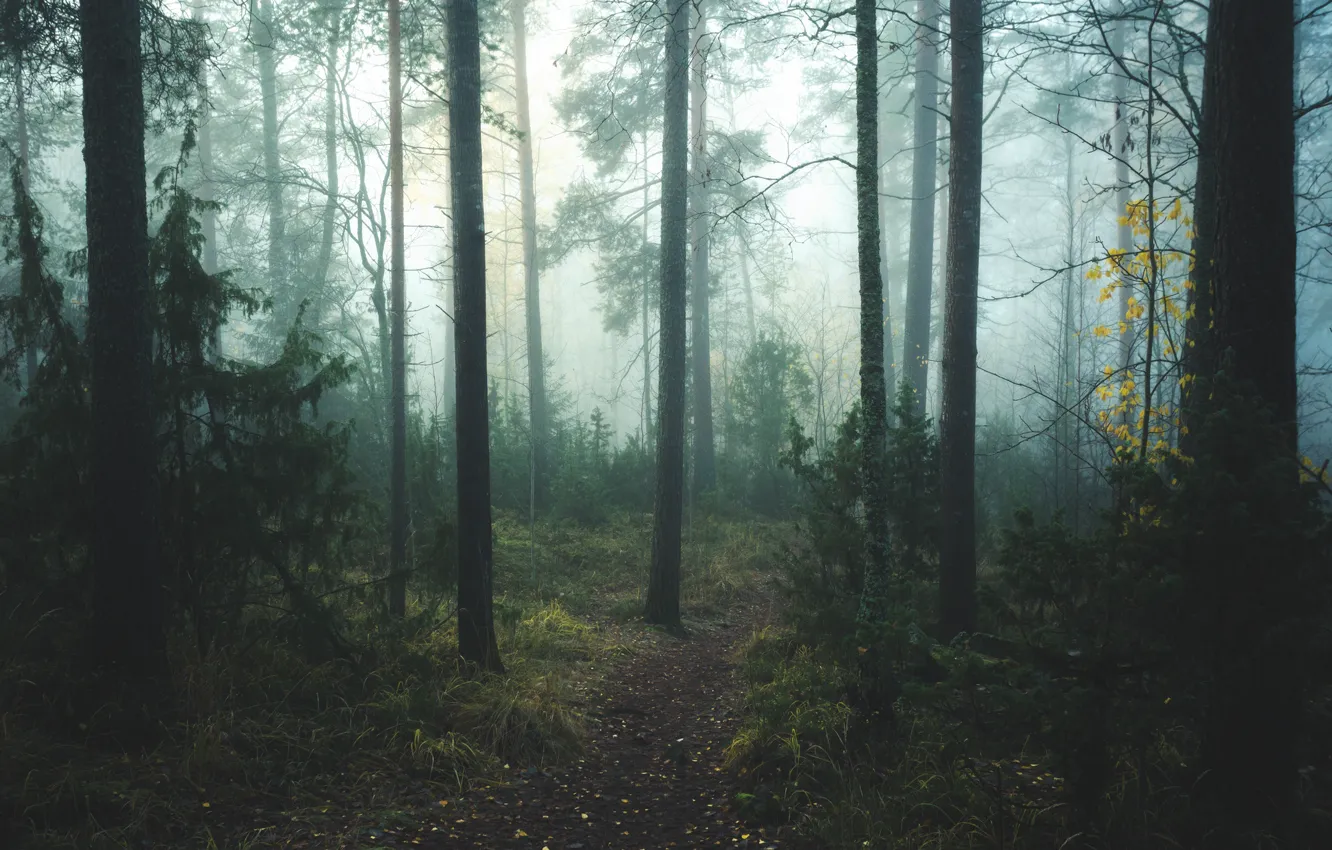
<point>739,423</point>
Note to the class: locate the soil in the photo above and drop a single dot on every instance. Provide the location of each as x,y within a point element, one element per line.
<point>652,775</point>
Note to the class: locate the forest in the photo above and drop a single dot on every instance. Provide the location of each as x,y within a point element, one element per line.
<point>600,424</point>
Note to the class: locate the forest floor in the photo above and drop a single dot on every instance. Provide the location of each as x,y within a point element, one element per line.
<point>652,774</point>
<point>658,719</point>
<point>603,734</point>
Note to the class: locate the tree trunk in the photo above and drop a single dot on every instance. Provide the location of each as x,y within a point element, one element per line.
<point>1123,196</point>
<point>873,390</point>
<point>330,147</point>
<point>1066,391</point>
<point>536,365</point>
<point>399,518</point>
<point>278,285</point>
<point>450,405</point>
<point>208,217</point>
<point>957,430</point>
<point>663,596</point>
<point>705,453</point>
<point>128,609</point>
<point>1249,742</point>
<point>887,249</point>
<point>924,162</point>
<point>30,354</point>
<point>748,285</point>
<point>646,319</point>
<point>476,620</point>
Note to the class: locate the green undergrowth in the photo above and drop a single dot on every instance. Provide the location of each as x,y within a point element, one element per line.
<point>269,746</point>
<point>600,571</point>
<point>807,756</point>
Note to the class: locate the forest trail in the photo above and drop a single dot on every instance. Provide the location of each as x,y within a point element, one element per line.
<point>652,775</point>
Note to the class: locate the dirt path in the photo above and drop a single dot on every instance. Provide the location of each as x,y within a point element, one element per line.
<point>652,775</point>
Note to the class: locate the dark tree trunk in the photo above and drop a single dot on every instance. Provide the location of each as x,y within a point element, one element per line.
<point>536,365</point>
<point>278,285</point>
<point>476,621</point>
<point>1247,237</point>
<point>30,354</point>
<point>873,389</point>
<point>208,218</point>
<point>399,518</point>
<point>924,162</point>
<point>663,596</point>
<point>957,430</point>
<point>128,622</point>
<point>705,453</point>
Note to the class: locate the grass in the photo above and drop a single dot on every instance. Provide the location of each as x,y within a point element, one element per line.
<point>268,748</point>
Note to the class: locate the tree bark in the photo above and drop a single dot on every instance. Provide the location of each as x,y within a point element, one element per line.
<point>208,217</point>
<point>873,389</point>
<point>128,607</point>
<point>30,355</point>
<point>476,621</point>
<point>399,518</point>
<point>705,452</point>
<point>920,262</point>
<point>663,596</point>
<point>536,365</point>
<point>1247,234</point>
<point>279,288</point>
<point>957,430</point>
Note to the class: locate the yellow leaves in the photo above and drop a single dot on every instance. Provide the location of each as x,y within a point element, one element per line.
<point>1101,331</point>
<point>1095,273</point>
<point>1310,472</point>
<point>1135,309</point>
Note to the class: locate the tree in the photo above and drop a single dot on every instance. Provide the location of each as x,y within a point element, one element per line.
<point>334,37</point>
<point>663,596</point>
<point>1249,742</point>
<point>1121,142</point>
<point>476,620</point>
<point>873,388</point>
<point>705,453</point>
<point>128,614</point>
<point>925,152</point>
<point>957,429</point>
<point>536,368</point>
<point>399,517</point>
<point>264,42</point>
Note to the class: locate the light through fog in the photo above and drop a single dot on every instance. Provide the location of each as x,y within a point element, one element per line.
<point>1043,108</point>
